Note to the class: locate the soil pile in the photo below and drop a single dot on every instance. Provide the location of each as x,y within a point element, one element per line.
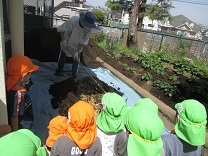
<point>68,92</point>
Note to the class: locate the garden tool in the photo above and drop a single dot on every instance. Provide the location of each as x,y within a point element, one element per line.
<point>86,71</point>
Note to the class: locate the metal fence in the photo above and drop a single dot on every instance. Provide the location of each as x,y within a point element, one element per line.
<point>172,44</point>
<point>37,13</point>
<point>193,49</point>
<point>155,41</point>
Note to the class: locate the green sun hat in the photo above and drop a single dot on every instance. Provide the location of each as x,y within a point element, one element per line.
<point>145,129</point>
<point>147,103</point>
<point>21,143</point>
<point>192,124</point>
<point>110,118</point>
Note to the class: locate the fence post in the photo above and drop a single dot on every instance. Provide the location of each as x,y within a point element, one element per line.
<point>52,12</point>
<point>205,45</point>
<point>161,42</point>
<point>125,36</point>
<point>141,38</point>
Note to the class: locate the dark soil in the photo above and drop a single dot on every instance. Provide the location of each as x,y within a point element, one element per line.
<point>43,45</point>
<point>84,89</point>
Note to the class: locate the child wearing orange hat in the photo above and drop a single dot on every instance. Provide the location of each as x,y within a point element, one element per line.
<point>75,135</point>
<point>19,69</point>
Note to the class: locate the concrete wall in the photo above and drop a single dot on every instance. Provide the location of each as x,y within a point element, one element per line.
<point>141,37</point>
<point>3,107</point>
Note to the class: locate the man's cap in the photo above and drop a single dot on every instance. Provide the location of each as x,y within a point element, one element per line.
<point>191,126</point>
<point>88,19</point>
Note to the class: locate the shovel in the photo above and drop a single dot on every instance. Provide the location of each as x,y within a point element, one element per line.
<point>87,72</point>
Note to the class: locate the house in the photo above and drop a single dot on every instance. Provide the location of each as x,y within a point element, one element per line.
<point>181,25</point>
<point>147,23</point>
<point>205,35</point>
<point>68,8</point>
<point>63,10</point>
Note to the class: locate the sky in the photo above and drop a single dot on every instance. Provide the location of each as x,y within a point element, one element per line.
<point>195,12</point>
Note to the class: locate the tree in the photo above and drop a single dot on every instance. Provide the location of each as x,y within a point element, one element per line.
<point>133,14</point>
<point>160,10</point>
<point>138,9</point>
<point>100,16</point>
<point>115,7</point>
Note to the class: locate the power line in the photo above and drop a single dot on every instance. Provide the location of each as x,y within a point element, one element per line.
<point>192,2</point>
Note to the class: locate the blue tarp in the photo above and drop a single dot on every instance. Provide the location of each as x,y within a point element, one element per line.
<point>41,99</point>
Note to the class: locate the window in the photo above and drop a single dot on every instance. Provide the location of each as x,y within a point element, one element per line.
<point>150,25</point>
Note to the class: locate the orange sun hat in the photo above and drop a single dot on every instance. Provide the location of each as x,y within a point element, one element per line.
<point>82,126</point>
<point>57,128</point>
<point>18,66</point>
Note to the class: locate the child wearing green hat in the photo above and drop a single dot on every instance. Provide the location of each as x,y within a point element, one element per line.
<point>144,130</point>
<point>21,143</point>
<point>190,130</point>
<point>110,125</point>
<point>147,103</point>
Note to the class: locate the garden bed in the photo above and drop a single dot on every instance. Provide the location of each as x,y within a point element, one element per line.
<point>171,83</point>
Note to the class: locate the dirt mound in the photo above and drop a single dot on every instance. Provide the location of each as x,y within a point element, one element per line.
<point>68,92</point>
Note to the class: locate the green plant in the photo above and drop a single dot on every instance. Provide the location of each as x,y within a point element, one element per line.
<point>112,56</point>
<point>132,69</point>
<point>168,89</point>
<point>111,43</point>
<point>100,16</point>
<point>125,65</point>
<point>173,78</point>
<point>182,47</point>
<point>147,76</point>
<point>159,70</point>
<point>99,37</point>
<point>180,72</point>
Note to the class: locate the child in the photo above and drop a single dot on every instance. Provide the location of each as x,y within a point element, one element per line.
<point>147,103</point>
<point>110,125</point>
<point>144,132</point>
<point>190,130</point>
<point>19,69</point>
<point>21,143</point>
<point>76,135</point>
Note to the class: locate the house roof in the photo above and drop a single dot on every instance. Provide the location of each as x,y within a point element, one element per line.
<point>181,20</point>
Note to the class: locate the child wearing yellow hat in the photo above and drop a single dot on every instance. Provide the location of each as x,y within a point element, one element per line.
<point>75,135</point>
<point>110,125</point>
<point>19,69</point>
<point>190,130</point>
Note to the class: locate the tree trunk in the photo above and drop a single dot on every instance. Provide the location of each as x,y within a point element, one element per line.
<point>141,9</point>
<point>132,35</point>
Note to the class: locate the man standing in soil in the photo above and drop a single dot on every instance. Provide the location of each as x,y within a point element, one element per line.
<point>75,33</point>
